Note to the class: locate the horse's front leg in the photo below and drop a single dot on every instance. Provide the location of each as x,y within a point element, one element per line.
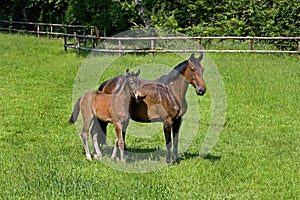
<point>176,127</point>
<point>167,132</point>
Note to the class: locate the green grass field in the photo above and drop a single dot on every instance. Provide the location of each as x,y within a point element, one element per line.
<point>256,157</point>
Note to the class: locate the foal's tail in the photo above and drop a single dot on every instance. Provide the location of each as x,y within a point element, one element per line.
<point>75,112</point>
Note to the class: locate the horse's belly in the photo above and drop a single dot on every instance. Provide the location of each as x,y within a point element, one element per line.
<point>141,113</point>
<point>157,113</point>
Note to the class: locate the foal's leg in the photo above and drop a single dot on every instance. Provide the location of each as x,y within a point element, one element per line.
<point>100,127</point>
<point>167,131</point>
<point>84,135</point>
<point>97,152</point>
<point>176,127</point>
<point>119,142</point>
<point>115,151</point>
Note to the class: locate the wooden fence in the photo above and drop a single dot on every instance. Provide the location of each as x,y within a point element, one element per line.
<point>87,37</point>
<point>153,40</point>
<point>78,34</point>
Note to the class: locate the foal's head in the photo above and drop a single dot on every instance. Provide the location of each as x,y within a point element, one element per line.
<point>133,83</point>
<point>194,74</point>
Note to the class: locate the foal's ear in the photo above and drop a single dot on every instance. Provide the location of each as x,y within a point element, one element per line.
<point>138,73</point>
<point>200,57</point>
<point>127,71</point>
<point>192,57</point>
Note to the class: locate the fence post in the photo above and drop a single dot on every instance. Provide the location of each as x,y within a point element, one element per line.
<point>38,30</point>
<point>299,49</point>
<point>199,43</point>
<point>65,42</point>
<point>74,39</point>
<point>75,43</point>
<point>78,39</point>
<point>120,46</point>
<point>152,46</point>
<point>51,30</point>
<point>251,44</point>
<point>92,38</point>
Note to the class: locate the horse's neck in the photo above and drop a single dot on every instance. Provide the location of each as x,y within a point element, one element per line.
<point>179,86</point>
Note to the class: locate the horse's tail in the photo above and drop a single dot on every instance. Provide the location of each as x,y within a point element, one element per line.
<point>75,112</point>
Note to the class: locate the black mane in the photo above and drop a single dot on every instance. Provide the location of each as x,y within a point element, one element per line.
<point>165,79</point>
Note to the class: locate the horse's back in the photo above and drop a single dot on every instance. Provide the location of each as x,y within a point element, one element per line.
<point>109,85</point>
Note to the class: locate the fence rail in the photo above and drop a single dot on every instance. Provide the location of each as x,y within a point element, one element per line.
<point>79,35</point>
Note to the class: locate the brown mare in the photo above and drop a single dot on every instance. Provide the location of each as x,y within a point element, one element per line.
<point>110,108</point>
<point>164,100</point>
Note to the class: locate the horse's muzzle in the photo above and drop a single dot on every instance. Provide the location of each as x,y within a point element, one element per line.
<point>201,91</point>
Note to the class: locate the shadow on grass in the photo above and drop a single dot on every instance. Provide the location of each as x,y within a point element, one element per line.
<point>210,157</point>
<point>154,154</point>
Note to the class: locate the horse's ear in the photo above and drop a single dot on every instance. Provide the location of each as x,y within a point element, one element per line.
<point>127,71</point>
<point>200,57</point>
<point>138,73</point>
<point>192,56</point>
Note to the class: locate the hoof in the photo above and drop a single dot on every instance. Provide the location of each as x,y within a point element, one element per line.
<point>113,158</point>
<point>89,157</point>
<point>169,162</point>
<point>123,162</point>
<point>98,157</point>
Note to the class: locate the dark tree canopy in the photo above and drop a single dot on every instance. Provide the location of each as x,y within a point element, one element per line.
<point>192,17</point>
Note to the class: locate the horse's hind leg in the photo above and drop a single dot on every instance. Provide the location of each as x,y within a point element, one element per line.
<point>103,130</point>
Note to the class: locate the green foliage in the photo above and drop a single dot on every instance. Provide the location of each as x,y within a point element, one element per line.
<point>110,17</point>
<point>34,10</point>
<point>200,17</point>
<point>256,157</point>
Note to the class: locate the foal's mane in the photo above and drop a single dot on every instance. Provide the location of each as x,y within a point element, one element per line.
<point>121,84</point>
<point>165,79</point>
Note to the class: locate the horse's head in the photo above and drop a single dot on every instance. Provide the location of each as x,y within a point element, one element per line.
<point>134,84</point>
<point>194,74</point>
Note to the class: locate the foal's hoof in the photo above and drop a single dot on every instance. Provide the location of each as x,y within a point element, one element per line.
<point>98,157</point>
<point>113,158</point>
<point>89,157</point>
<point>123,162</point>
